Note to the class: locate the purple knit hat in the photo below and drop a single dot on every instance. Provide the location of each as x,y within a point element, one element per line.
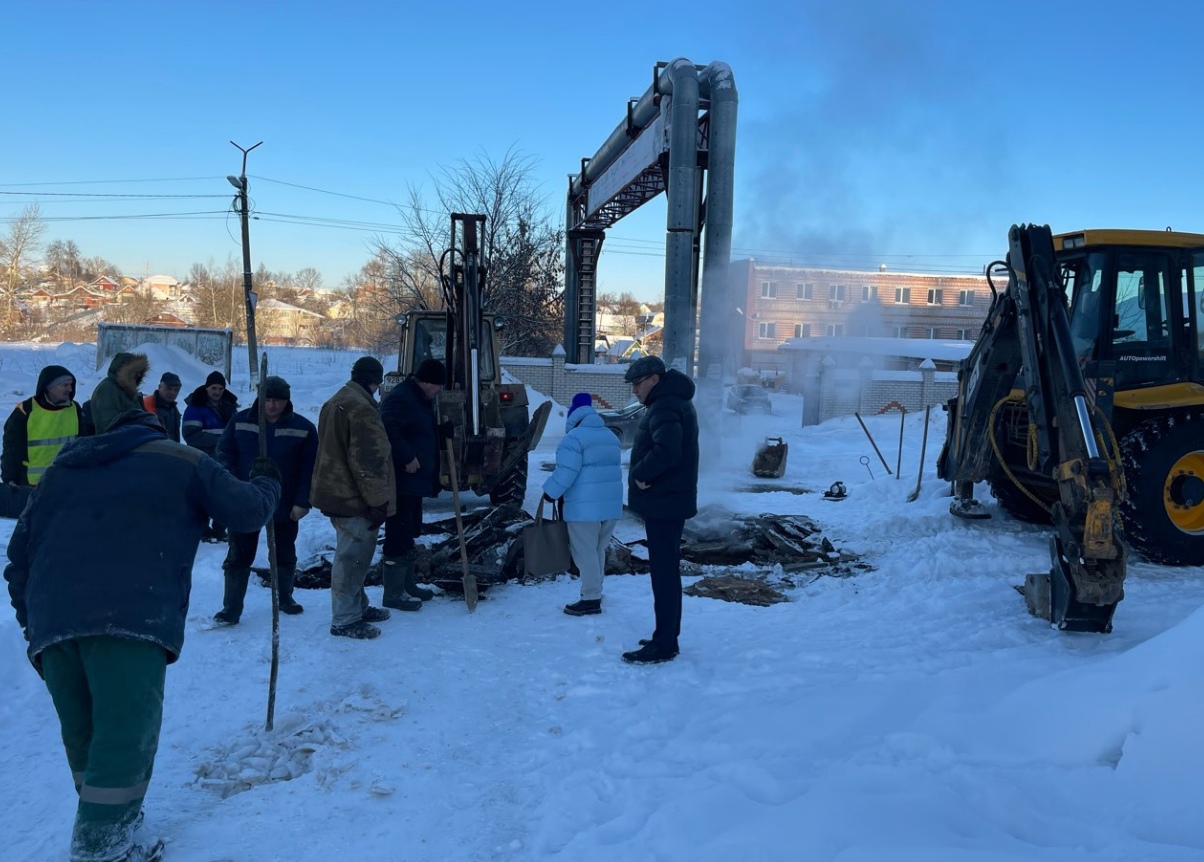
<point>581,399</point>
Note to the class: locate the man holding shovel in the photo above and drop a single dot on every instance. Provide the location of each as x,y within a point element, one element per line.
<point>409,417</point>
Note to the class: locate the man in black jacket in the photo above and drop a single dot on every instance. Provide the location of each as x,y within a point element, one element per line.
<point>662,488</point>
<point>101,635</point>
<point>409,417</point>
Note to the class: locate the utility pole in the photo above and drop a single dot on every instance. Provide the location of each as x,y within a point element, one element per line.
<point>240,182</point>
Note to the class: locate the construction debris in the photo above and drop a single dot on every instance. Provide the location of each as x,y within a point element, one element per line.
<point>770,551</point>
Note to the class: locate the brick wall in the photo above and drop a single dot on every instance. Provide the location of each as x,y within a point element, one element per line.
<point>841,391</point>
<point>560,381</point>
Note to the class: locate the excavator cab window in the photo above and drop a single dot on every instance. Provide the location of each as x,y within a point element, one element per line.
<point>1146,297</point>
<point>429,341</point>
<point>1083,279</point>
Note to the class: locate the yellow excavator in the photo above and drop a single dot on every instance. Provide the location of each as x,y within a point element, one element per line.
<point>1082,406</point>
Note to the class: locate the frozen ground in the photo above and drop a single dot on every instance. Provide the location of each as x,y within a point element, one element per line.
<point>915,712</point>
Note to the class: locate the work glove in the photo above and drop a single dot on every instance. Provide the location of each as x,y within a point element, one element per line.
<point>264,466</point>
<point>447,430</point>
<point>298,512</point>
<point>376,515</point>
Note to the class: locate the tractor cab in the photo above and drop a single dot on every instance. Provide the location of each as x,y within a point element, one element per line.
<point>1135,308</point>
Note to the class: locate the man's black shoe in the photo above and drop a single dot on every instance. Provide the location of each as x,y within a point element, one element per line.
<point>584,608</point>
<point>374,615</point>
<point>650,654</point>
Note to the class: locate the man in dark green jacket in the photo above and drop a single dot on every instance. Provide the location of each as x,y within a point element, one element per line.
<point>101,635</point>
<point>119,391</point>
<point>662,488</point>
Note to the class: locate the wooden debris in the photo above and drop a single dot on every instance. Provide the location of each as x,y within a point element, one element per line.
<point>733,588</point>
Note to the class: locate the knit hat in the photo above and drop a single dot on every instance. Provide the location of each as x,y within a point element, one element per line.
<point>171,378</point>
<point>581,399</point>
<point>215,377</point>
<point>431,371</point>
<point>62,378</point>
<point>276,387</point>
<point>368,370</point>
<point>643,367</point>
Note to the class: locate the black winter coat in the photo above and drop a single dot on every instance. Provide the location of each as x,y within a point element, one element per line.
<point>665,452</point>
<point>292,444</point>
<point>16,430</point>
<point>410,423</point>
<point>107,542</point>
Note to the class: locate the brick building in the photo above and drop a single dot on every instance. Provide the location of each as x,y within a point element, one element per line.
<point>784,302</point>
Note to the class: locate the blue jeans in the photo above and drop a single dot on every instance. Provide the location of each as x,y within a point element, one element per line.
<point>664,559</point>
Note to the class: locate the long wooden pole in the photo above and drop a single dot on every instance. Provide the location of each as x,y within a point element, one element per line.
<point>469,579</point>
<point>274,578</point>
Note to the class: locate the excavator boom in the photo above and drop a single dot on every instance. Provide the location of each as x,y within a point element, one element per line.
<point>1026,341</point>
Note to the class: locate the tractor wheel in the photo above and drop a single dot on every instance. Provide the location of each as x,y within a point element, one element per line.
<point>1164,469</point>
<point>512,488</point>
<point>1014,501</point>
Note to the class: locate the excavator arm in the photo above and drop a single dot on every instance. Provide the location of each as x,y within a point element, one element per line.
<point>1026,341</point>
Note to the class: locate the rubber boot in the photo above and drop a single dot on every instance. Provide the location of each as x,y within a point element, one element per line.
<point>392,575</point>
<point>232,598</point>
<point>411,580</point>
<point>284,584</point>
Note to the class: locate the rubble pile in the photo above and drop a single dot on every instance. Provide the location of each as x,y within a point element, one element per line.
<point>770,550</point>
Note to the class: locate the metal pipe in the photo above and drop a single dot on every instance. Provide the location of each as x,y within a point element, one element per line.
<point>681,222</point>
<point>721,329</point>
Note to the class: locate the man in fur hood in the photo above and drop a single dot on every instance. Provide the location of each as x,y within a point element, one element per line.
<point>119,391</point>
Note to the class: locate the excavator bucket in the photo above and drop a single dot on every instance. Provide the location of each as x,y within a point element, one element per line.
<point>769,462</point>
<point>1051,596</point>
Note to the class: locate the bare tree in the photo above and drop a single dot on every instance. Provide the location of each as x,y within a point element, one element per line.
<point>307,278</point>
<point>17,247</point>
<point>137,306</point>
<point>523,249</point>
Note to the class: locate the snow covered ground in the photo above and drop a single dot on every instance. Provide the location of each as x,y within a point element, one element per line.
<point>914,712</point>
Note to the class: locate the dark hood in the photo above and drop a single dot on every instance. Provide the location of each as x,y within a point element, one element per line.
<point>127,371</point>
<point>673,383</point>
<point>200,398</point>
<point>127,432</point>
<point>50,374</point>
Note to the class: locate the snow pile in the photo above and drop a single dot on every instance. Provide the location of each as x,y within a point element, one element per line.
<point>911,712</point>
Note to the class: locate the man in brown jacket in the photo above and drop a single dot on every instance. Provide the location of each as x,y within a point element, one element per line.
<point>353,485</point>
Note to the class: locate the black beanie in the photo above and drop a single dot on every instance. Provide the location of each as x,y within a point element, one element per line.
<point>215,377</point>
<point>368,370</point>
<point>276,387</point>
<point>431,371</point>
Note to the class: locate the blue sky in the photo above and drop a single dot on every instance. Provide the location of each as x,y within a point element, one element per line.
<point>911,134</point>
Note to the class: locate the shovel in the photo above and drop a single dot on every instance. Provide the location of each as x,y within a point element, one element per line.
<point>469,579</point>
<point>915,495</point>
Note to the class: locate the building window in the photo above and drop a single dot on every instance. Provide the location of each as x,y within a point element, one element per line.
<point>869,293</point>
<point>805,290</point>
<point>965,297</point>
<point>802,330</point>
<point>769,290</point>
<point>934,296</point>
<point>899,331</point>
<point>902,295</point>
<point>965,335</point>
<point>836,291</point>
<point>766,330</point>
<point>933,332</point>
<point>835,329</point>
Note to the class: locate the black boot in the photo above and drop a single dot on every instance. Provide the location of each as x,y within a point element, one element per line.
<point>584,608</point>
<point>284,585</point>
<point>411,579</point>
<point>392,575</point>
<point>232,598</point>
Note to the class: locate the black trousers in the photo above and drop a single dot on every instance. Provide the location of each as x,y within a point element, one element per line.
<point>242,547</point>
<point>403,528</point>
<point>664,559</point>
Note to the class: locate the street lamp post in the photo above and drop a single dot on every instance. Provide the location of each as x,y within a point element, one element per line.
<point>240,182</point>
